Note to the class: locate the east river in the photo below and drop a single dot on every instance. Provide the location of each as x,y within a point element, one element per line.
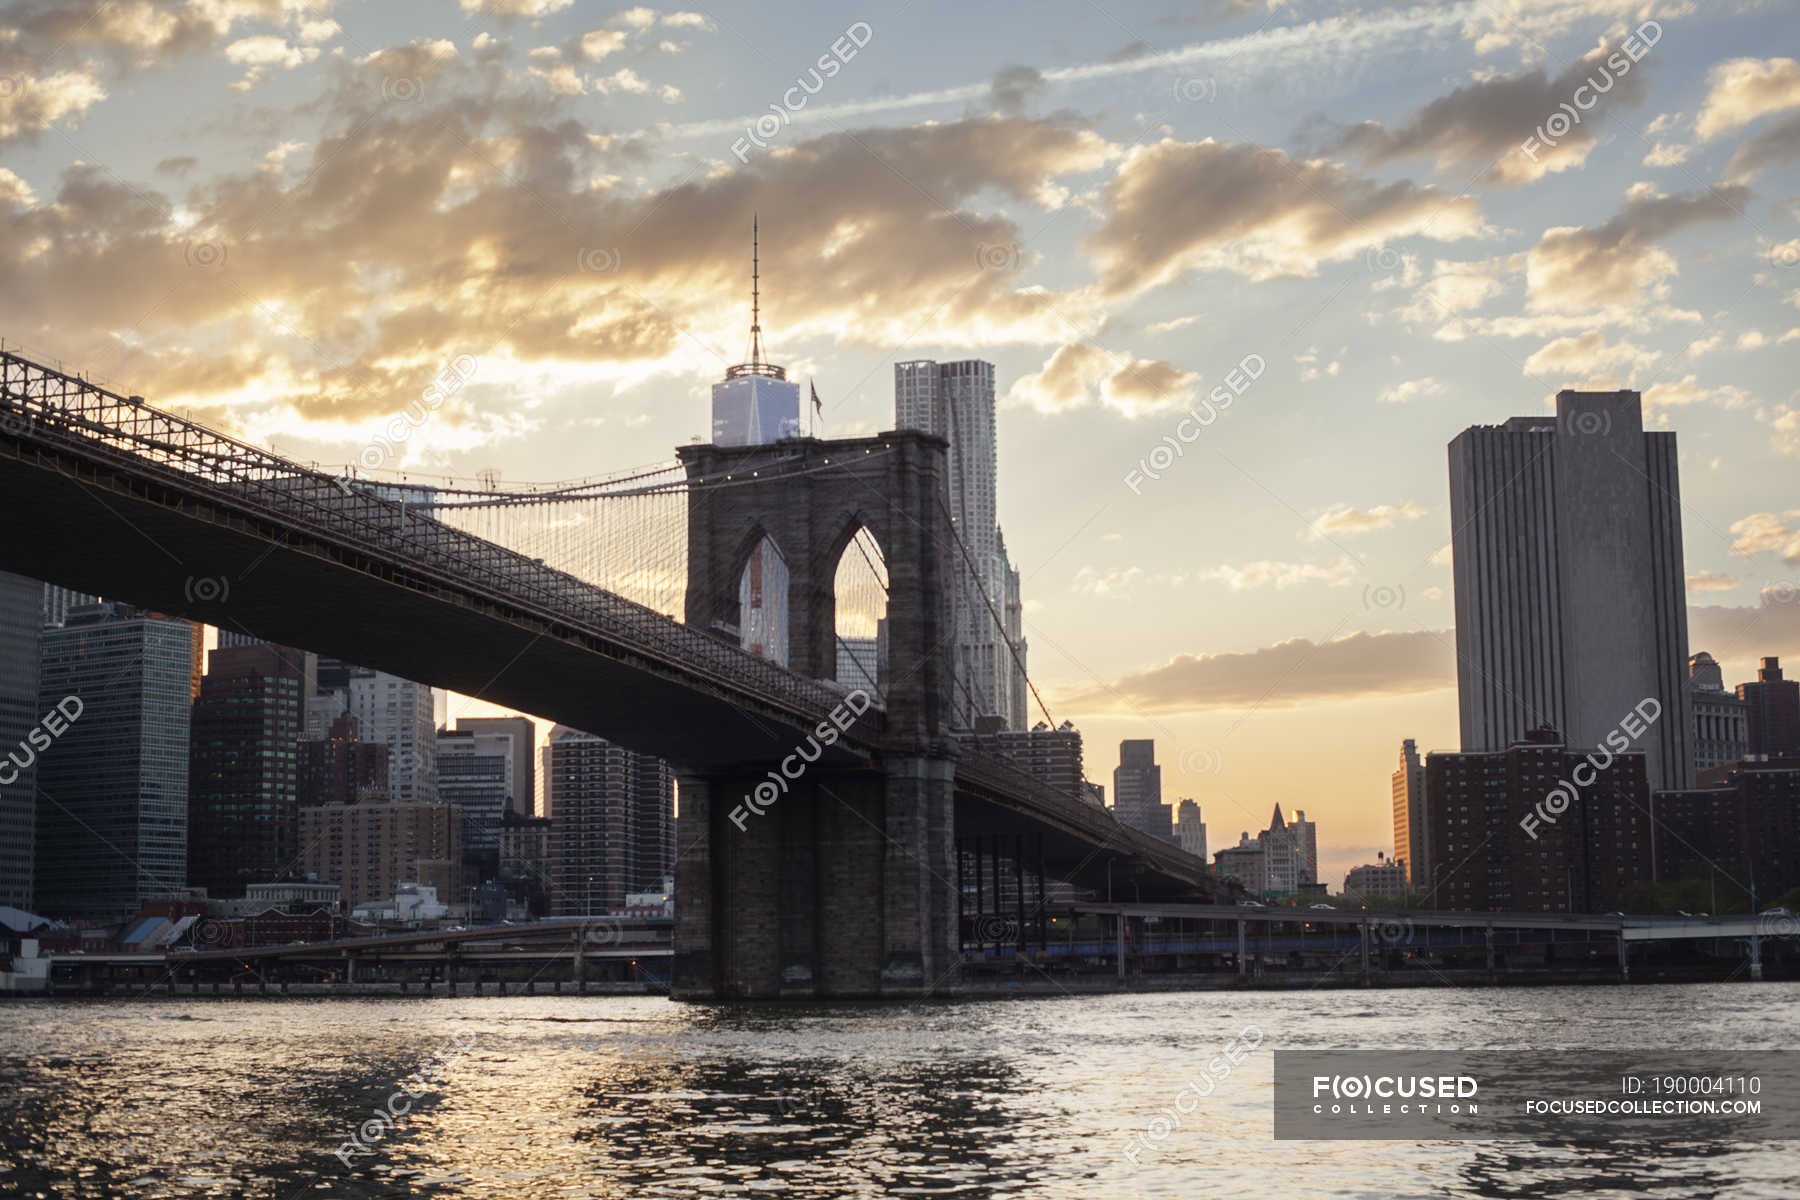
<point>635,1097</point>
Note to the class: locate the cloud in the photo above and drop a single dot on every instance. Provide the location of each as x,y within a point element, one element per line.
<point>1784,430</point>
<point>1078,375</point>
<point>1743,89</point>
<point>1484,123</point>
<point>1286,674</point>
<point>1014,87</point>
<point>426,228</point>
<point>1459,287</point>
<point>1748,632</point>
<point>1710,581</point>
<point>1705,345</point>
<point>1283,575</point>
<point>29,106</point>
<point>1345,521</point>
<point>1171,325</point>
<point>1179,207</point>
<point>1616,265</point>
<point>1587,354</point>
<point>529,9</point>
<point>1408,390</point>
<point>57,56</point>
<point>1685,392</point>
<point>1768,533</point>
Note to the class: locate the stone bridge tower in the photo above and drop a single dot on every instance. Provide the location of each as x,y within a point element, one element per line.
<point>846,885</point>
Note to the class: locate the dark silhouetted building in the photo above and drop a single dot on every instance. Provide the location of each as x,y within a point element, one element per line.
<point>1496,841</point>
<point>243,774</point>
<point>1137,789</point>
<point>22,604</point>
<point>341,768</point>
<point>1773,710</point>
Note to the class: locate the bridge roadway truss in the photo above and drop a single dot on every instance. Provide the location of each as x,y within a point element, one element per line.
<point>844,888</point>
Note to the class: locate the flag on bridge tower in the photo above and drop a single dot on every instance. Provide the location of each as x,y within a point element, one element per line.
<point>818,408</point>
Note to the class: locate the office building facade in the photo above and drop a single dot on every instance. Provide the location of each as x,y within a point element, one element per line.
<point>1721,733</point>
<point>112,817</point>
<point>369,850</point>
<point>403,715</point>
<point>1571,603</point>
<point>1408,788</point>
<point>1496,841</point>
<point>612,822</point>
<point>341,768</point>
<point>1190,830</point>
<point>1772,710</point>
<point>474,773</point>
<point>1137,789</point>
<point>22,604</point>
<point>520,747</point>
<point>243,770</point>
<point>955,401</point>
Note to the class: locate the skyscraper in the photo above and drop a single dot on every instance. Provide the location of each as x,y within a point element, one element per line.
<point>21,631</point>
<point>1190,830</point>
<point>955,401</point>
<point>755,402</point>
<point>611,822</point>
<point>1408,784</point>
<point>402,714</point>
<point>243,770</point>
<point>1571,603</point>
<point>1137,789</point>
<point>113,788</point>
<point>521,756</point>
<point>474,772</point>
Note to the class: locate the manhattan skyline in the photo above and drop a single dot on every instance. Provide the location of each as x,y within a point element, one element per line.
<point>287,220</point>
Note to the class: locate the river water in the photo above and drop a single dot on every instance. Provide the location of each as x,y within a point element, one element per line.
<point>637,1097</point>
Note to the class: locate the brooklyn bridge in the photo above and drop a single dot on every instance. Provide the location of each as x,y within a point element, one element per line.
<point>611,605</point>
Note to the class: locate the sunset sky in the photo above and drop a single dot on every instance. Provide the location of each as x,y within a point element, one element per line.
<point>287,217</point>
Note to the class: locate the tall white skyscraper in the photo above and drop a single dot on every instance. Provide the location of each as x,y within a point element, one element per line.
<point>754,404</point>
<point>955,400</point>
<point>1571,602</point>
<point>401,713</point>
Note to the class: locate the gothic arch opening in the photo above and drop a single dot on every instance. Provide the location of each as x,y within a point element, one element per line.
<point>763,602</point>
<point>860,598</point>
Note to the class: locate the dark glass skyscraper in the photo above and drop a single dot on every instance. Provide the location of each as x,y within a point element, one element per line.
<point>21,626</point>
<point>243,813</point>
<point>113,788</point>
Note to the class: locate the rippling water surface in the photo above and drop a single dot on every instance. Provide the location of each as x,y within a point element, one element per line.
<point>617,1097</point>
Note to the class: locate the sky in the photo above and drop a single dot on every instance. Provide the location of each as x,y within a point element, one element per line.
<point>1244,268</point>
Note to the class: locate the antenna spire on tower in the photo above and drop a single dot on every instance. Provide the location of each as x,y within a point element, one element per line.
<point>754,364</point>
<point>755,290</point>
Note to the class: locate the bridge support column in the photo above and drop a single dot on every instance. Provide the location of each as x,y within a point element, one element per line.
<point>1624,957</point>
<point>1243,949</point>
<point>1363,931</point>
<point>842,886</point>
